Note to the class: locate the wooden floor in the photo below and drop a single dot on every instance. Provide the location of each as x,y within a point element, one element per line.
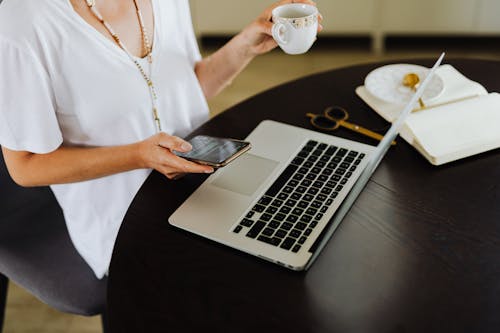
<point>25,314</point>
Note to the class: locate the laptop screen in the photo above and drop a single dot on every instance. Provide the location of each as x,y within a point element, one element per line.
<point>375,159</point>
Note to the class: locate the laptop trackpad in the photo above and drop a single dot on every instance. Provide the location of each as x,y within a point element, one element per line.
<point>245,174</point>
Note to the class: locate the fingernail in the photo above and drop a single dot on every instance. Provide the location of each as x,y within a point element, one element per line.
<point>209,171</point>
<point>186,146</point>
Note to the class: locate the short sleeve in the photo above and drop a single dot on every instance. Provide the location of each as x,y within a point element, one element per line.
<point>191,43</point>
<point>28,119</point>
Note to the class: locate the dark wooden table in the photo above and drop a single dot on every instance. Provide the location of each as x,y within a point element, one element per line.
<point>418,252</point>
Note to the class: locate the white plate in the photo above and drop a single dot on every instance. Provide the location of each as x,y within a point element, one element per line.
<point>386,83</point>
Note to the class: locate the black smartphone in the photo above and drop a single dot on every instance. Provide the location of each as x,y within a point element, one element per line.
<point>213,151</point>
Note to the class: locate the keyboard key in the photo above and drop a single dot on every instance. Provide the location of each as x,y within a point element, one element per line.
<point>306,218</point>
<point>303,204</point>
<point>265,200</point>
<point>255,230</point>
<point>296,196</point>
<point>312,191</point>
<point>331,150</point>
<point>296,248</point>
<point>302,154</point>
<point>322,178</point>
<point>286,226</point>
<point>353,153</point>
<point>312,158</point>
<point>321,164</point>
<point>246,222</point>
<point>293,183</point>
<point>339,188</point>
<point>340,171</point>
<point>311,143</point>
<point>298,176</point>
<point>318,216</point>
<point>237,229</point>
<point>349,174</point>
<point>327,190</point>
<point>357,162</point>
<point>297,211</point>
<point>277,202</point>
<point>298,160</point>
<point>300,226</point>
<point>334,194</point>
<point>335,178</point>
<point>361,156</point>
<point>324,159</point>
<point>313,224</point>
<point>308,164</point>
<point>288,189</point>
<point>331,183</point>
<point>281,180</point>
<point>279,217</point>
<point>272,241</point>
<point>311,176</point>
<point>282,196</point>
<point>303,170</point>
<point>268,231</point>
<point>308,231</point>
<point>322,146</point>
<point>265,217</point>
<point>348,159</point>
<point>271,210</point>
<point>302,240</point>
<point>291,202</point>
<point>301,189</point>
<point>274,224</point>
<point>285,210</point>
<point>318,184</point>
<point>344,165</point>
<point>341,152</point>
<point>287,243</point>
<point>281,233</point>
<point>332,165</point>
<point>250,214</point>
<point>316,204</point>
<point>295,233</point>
<point>308,197</point>
<point>323,209</point>
<point>306,183</point>
<point>317,152</point>
<point>311,211</point>
<point>343,181</point>
<point>327,171</point>
<point>353,168</point>
<point>259,208</point>
<point>292,218</point>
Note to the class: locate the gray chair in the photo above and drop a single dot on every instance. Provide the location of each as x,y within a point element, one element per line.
<point>37,253</point>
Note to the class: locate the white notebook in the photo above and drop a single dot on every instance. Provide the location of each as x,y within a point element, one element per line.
<point>451,131</point>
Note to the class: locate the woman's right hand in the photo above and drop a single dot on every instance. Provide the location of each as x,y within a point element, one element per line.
<point>156,152</point>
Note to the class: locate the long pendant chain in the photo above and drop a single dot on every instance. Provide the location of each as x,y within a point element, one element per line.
<point>147,47</point>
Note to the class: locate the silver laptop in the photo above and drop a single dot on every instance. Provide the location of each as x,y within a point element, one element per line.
<point>283,200</point>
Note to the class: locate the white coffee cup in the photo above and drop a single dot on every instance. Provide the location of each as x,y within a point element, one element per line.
<point>295,27</point>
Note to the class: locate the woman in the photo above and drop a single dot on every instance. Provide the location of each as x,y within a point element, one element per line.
<point>95,94</point>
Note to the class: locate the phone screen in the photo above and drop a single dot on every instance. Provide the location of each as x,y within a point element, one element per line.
<point>214,151</point>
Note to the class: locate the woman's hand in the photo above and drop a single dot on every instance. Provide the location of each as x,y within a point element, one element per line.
<point>258,37</point>
<point>156,153</point>
<point>218,70</point>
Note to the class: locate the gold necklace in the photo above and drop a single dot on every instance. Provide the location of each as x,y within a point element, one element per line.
<point>146,44</point>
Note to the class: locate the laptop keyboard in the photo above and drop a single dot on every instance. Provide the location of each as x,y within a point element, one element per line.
<point>289,211</point>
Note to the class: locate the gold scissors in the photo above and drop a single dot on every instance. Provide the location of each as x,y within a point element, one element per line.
<point>335,116</point>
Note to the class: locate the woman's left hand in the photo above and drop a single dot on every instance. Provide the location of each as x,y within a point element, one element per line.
<point>258,36</point>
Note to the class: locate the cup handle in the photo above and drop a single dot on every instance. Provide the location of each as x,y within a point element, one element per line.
<point>279,33</point>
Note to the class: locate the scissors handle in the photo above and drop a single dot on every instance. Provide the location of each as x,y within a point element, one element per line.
<point>362,130</point>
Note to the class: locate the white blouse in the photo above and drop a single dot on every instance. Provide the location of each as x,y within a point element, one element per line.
<point>64,83</point>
